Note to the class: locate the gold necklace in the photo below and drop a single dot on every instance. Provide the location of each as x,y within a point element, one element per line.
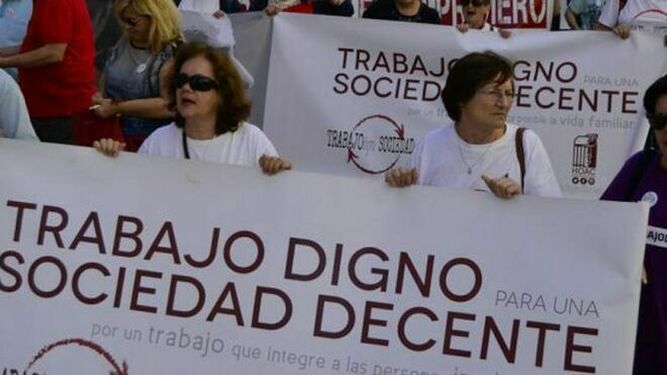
<point>463,159</point>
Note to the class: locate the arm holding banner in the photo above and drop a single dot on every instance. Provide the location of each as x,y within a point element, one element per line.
<point>608,20</point>
<point>109,146</point>
<point>475,14</point>
<point>502,187</point>
<point>401,177</point>
<point>273,164</point>
<point>270,165</point>
<point>571,19</point>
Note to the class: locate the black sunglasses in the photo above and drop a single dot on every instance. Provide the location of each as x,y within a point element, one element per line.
<point>475,3</point>
<point>657,120</point>
<point>197,82</point>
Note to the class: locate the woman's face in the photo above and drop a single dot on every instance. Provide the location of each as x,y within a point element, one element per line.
<point>661,135</point>
<point>489,107</point>
<point>197,97</point>
<point>475,12</point>
<point>137,27</point>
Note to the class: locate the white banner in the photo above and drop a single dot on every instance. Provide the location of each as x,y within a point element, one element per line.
<point>369,91</point>
<point>141,265</point>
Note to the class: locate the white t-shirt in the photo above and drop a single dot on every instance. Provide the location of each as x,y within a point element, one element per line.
<point>202,6</point>
<point>243,147</point>
<point>442,158</point>
<point>641,14</point>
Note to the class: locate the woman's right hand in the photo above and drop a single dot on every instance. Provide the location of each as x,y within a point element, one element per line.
<point>271,10</point>
<point>463,27</point>
<point>109,147</point>
<point>622,30</point>
<point>401,177</point>
<point>503,187</point>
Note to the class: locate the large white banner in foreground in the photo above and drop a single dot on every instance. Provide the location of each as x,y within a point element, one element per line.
<point>353,97</point>
<point>151,266</point>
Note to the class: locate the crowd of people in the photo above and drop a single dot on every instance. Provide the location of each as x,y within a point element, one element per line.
<point>176,98</point>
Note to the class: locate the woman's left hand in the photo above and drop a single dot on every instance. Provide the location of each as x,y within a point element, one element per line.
<point>503,187</point>
<point>271,10</point>
<point>504,33</point>
<point>218,14</point>
<point>273,164</point>
<point>106,108</point>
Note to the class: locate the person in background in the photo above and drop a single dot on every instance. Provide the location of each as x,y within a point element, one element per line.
<point>14,17</point>
<point>56,67</point>
<point>272,7</point>
<point>621,16</point>
<point>644,178</point>
<point>216,8</point>
<point>211,107</point>
<point>555,16</point>
<point>402,10</point>
<point>14,118</point>
<point>583,14</point>
<point>132,84</point>
<point>475,16</point>
<point>480,150</point>
<point>107,30</point>
<point>341,8</point>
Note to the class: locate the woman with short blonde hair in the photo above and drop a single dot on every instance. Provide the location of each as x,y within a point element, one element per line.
<point>165,25</point>
<point>133,82</point>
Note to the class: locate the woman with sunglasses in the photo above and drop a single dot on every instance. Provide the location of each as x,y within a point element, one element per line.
<point>479,150</point>
<point>475,16</point>
<point>211,108</point>
<point>644,178</point>
<point>132,82</point>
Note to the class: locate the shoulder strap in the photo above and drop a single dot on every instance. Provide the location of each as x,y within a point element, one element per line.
<point>160,58</point>
<point>520,155</point>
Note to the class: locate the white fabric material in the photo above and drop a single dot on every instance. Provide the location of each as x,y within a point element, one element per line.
<point>203,6</point>
<point>443,159</point>
<point>554,252</point>
<point>201,26</point>
<point>14,117</point>
<point>641,14</point>
<point>243,147</point>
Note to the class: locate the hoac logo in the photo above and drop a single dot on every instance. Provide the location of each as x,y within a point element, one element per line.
<point>108,366</point>
<point>374,145</point>
<point>584,159</point>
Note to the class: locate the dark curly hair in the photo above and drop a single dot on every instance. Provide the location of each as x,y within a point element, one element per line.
<point>654,93</point>
<point>235,106</point>
<point>469,74</point>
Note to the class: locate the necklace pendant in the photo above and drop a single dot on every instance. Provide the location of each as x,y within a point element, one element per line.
<point>469,170</point>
